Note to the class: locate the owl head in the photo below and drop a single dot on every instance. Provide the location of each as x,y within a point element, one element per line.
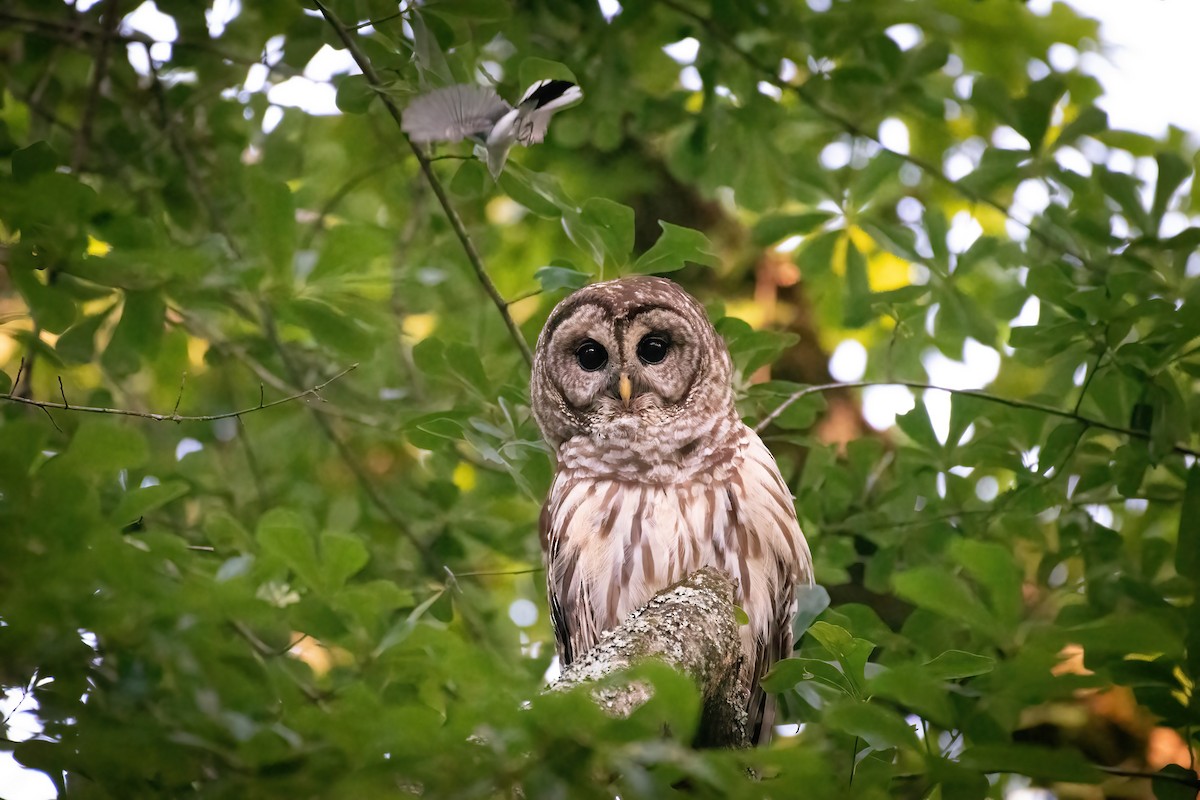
<point>633,359</point>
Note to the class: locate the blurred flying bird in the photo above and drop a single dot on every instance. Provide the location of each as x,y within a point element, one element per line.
<point>468,111</point>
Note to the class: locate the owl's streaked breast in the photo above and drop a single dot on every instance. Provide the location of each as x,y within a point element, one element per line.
<point>613,542</point>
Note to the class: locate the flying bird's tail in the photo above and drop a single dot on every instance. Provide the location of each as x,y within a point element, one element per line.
<point>453,113</point>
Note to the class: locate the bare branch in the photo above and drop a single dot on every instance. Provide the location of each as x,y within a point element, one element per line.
<point>83,139</point>
<point>175,416</point>
<point>990,398</point>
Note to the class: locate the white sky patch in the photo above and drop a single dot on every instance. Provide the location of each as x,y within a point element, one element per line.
<point>684,51</point>
<point>186,447</point>
<point>894,135</point>
<point>789,244</point>
<point>979,367</point>
<point>1007,138</point>
<point>523,612</point>
<point>835,155</point>
<point>609,9</point>
<point>221,14</point>
<point>689,78</point>
<point>905,36</point>
<point>1149,46</point>
<point>770,90</point>
<point>147,19</point>
<point>964,230</point>
<point>271,118</point>
<point>1029,315</point>
<point>881,405</point>
<point>848,362</point>
<point>328,62</point>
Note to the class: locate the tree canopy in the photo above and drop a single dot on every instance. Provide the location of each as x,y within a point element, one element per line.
<point>269,483</point>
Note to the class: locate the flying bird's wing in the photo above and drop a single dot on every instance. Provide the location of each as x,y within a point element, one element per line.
<point>540,102</point>
<point>453,113</point>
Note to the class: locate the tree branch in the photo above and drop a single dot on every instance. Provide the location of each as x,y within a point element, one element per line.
<point>991,398</point>
<point>175,416</point>
<point>83,140</point>
<point>690,626</point>
<point>426,167</point>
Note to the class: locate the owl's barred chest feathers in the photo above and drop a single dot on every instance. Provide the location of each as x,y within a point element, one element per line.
<point>623,522</point>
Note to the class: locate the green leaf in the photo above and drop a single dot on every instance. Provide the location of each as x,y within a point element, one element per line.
<point>105,446</point>
<point>1091,120</point>
<point>1057,764</point>
<point>332,328</point>
<point>138,332</point>
<point>1187,541</point>
<point>1170,785</point>
<point>938,591</point>
<point>354,94</point>
<point>957,664</point>
<point>470,180</point>
<point>534,69</point>
<point>33,160</point>
<point>272,225</point>
<point>878,726</point>
<point>283,535</point>
<point>775,227</point>
<point>78,344</point>
<point>1125,190</point>
<point>6,383</point>
<point>342,556</point>
<point>541,194</point>
<point>918,427</point>
<point>605,229</point>
<point>851,652</point>
<point>995,568</point>
<point>674,248</point>
<point>1031,113</point>
<point>856,312</point>
<point>138,502</point>
<point>554,278</point>
<point>1172,172</point>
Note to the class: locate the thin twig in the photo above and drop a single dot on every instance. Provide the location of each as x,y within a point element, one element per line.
<point>175,417</point>
<point>451,214</point>
<point>1182,780</point>
<point>63,392</point>
<point>488,573</point>
<point>990,398</point>
<point>179,399</point>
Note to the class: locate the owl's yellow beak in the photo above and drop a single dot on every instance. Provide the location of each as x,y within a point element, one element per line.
<point>625,389</point>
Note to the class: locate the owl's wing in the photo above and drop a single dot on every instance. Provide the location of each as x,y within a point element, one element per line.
<point>776,646</point>
<point>781,562</point>
<point>552,555</point>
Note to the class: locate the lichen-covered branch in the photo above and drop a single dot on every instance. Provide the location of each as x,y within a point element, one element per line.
<point>691,626</point>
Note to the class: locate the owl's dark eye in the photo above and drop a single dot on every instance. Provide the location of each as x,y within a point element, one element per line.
<point>591,355</point>
<point>652,348</point>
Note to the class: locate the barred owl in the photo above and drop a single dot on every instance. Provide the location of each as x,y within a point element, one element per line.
<point>657,476</point>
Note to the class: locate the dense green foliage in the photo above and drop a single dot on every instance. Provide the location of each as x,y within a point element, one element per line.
<point>313,599</point>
